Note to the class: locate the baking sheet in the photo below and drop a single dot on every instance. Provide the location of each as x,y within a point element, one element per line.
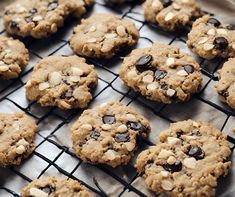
<point>54,124</point>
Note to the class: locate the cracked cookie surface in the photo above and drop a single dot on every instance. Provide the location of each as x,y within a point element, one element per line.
<point>103,35</point>
<point>17,132</point>
<point>41,18</point>
<point>209,38</point>
<point>162,73</point>
<point>13,58</point>
<point>107,134</point>
<point>61,81</point>
<point>188,160</point>
<point>171,14</point>
<point>52,186</point>
<point>226,85</point>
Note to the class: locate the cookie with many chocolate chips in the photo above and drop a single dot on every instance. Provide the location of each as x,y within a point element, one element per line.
<point>162,73</point>
<point>107,134</point>
<point>13,58</point>
<point>171,15</point>
<point>103,35</point>
<point>41,18</point>
<point>226,85</point>
<point>52,186</point>
<point>61,81</point>
<point>209,38</point>
<point>189,159</point>
<point>17,132</point>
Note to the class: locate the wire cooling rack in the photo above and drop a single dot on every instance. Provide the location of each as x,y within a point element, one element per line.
<point>53,154</point>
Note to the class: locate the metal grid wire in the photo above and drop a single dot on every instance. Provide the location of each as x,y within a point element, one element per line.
<point>110,81</point>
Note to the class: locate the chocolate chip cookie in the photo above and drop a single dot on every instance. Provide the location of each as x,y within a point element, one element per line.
<point>226,85</point>
<point>209,38</point>
<point>162,73</point>
<point>188,160</point>
<point>107,134</point>
<point>61,81</point>
<point>17,132</point>
<point>52,186</point>
<point>171,15</point>
<point>103,35</point>
<point>41,18</point>
<point>13,58</point>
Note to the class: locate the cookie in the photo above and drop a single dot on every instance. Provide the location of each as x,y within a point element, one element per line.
<point>189,159</point>
<point>61,81</point>
<point>17,132</point>
<point>226,85</point>
<point>161,73</point>
<point>209,38</point>
<point>107,134</point>
<point>13,58</point>
<point>171,15</point>
<point>52,186</point>
<point>103,35</point>
<point>41,18</point>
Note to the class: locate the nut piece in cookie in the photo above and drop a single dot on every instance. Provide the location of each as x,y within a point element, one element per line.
<point>52,186</point>
<point>107,134</point>
<point>13,58</point>
<point>189,159</point>
<point>171,15</point>
<point>209,38</point>
<point>103,35</point>
<point>41,18</point>
<point>226,85</point>
<point>162,73</point>
<point>65,82</point>
<point>17,132</point>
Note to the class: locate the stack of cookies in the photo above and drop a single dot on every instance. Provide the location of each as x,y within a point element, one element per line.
<point>190,156</point>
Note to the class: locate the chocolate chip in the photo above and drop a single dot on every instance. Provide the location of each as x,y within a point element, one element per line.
<point>189,68</point>
<point>13,24</point>
<point>143,62</point>
<point>122,137</point>
<point>196,152</point>
<point>33,11</point>
<point>164,86</point>
<point>7,12</point>
<point>231,27</point>
<point>53,5</point>
<point>195,133</point>
<point>220,43</point>
<point>224,93</point>
<point>160,74</point>
<point>214,22</point>
<point>176,167</point>
<point>149,161</point>
<point>48,189</point>
<point>179,133</point>
<point>109,119</point>
<point>95,135</point>
<point>136,126</point>
<point>166,3</point>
